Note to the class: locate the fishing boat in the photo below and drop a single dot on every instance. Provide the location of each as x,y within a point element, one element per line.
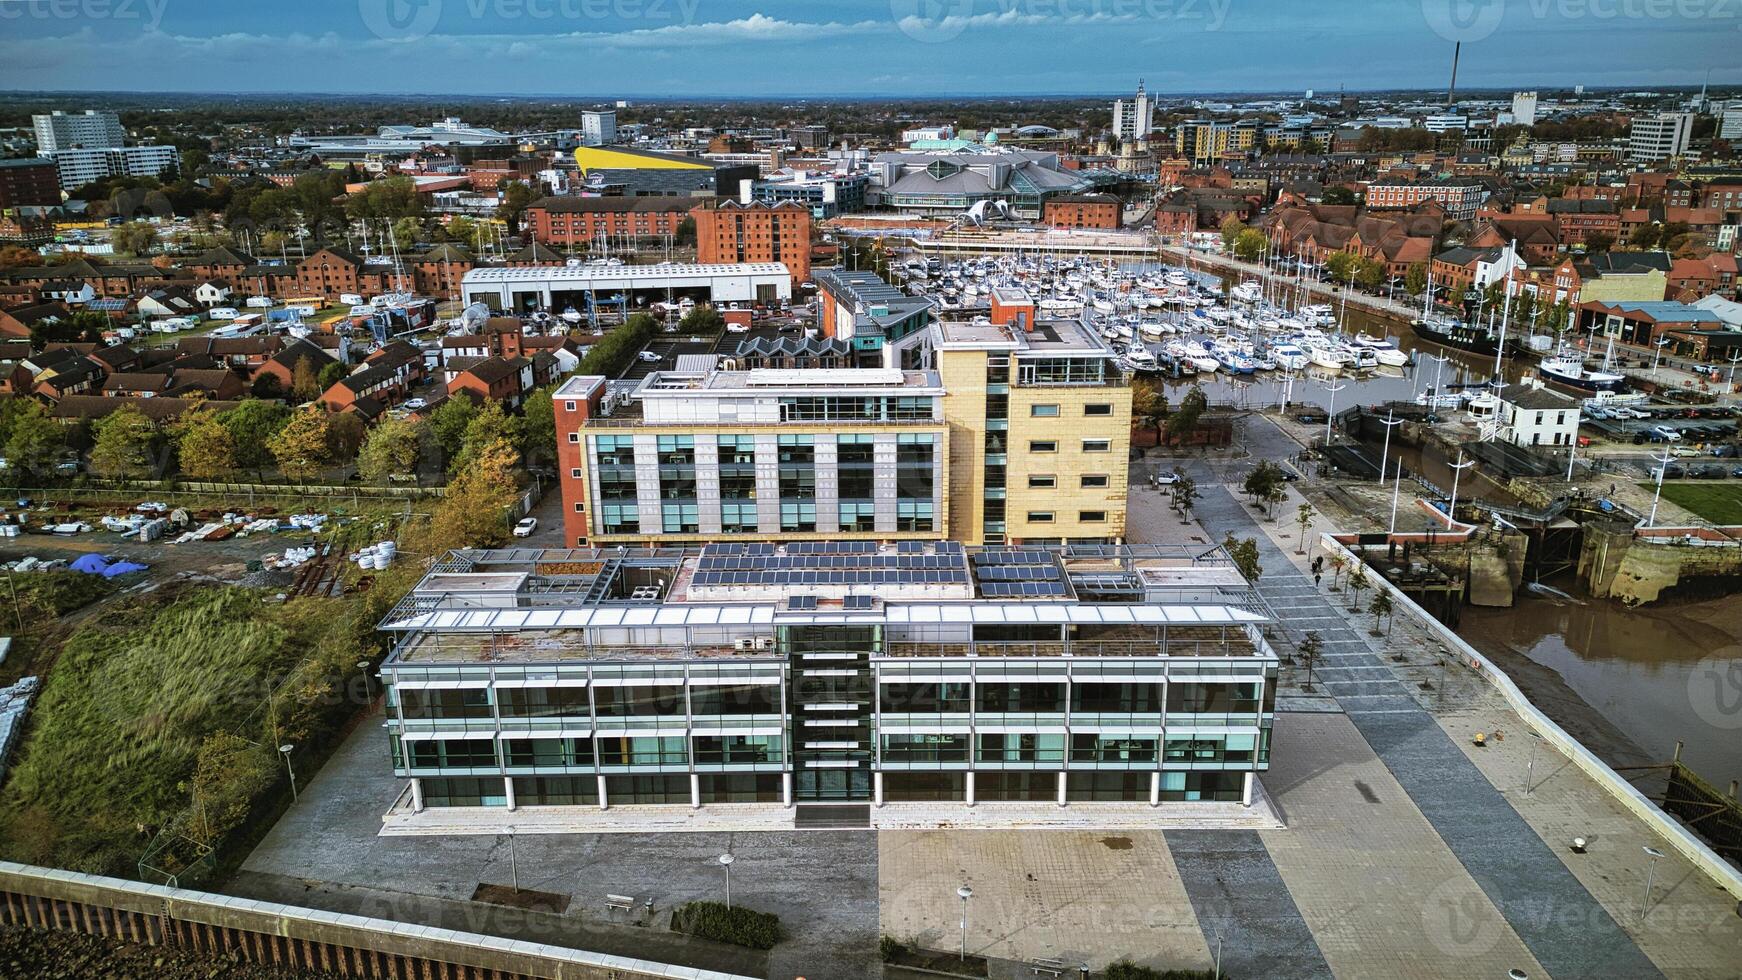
<point>1568,369</point>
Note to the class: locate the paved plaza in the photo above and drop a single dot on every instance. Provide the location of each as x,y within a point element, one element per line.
<point>1403,850</point>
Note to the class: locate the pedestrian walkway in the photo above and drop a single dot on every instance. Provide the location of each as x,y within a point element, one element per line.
<point>1517,872</point>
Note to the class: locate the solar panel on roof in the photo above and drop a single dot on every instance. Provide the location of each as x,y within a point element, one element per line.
<point>857,602</point>
<point>910,547</point>
<point>801,602</point>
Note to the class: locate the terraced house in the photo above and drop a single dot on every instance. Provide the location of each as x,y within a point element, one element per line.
<point>839,683</point>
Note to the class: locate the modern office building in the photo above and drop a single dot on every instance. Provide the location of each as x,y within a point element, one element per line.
<point>858,307</point>
<point>598,128</point>
<point>826,194</point>
<point>1133,120</point>
<point>1207,141</point>
<point>1524,108</point>
<point>834,683</point>
<point>774,455</point>
<point>79,167</point>
<point>1660,137</point>
<point>88,130</point>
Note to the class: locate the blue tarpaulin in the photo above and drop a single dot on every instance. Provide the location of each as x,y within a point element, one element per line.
<point>91,564</point>
<point>122,568</point>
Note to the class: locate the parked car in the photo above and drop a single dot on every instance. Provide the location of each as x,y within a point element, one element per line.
<point>1666,433</point>
<point>649,356</point>
<point>526,526</point>
<point>737,328</point>
<point>414,404</point>
<point>1671,471</point>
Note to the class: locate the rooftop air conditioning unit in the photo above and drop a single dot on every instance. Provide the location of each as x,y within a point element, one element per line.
<point>744,643</point>
<point>765,643</point>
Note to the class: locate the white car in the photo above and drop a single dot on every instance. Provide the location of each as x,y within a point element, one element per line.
<point>1166,479</point>
<point>1667,433</point>
<point>737,328</point>
<point>414,404</point>
<point>650,357</point>
<point>526,526</point>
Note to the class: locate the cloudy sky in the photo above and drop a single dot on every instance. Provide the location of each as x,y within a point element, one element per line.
<point>634,48</point>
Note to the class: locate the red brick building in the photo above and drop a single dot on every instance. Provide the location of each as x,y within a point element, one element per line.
<point>727,231</point>
<point>580,220</point>
<point>1082,211</point>
<point>576,401</point>
<point>29,181</point>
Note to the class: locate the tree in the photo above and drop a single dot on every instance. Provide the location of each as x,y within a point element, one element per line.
<point>447,425</point>
<point>1598,242</point>
<point>33,440</point>
<point>124,443</point>
<point>1357,582</point>
<point>1415,279</point>
<point>463,230</point>
<point>1149,403</point>
<point>205,447</point>
<point>1338,565</point>
<point>1381,608</point>
<point>1337,194</point>
<point>1369,274</point>
<point>300,446</point>
<point>1340,266</point>
<point>1185,494</point>
<point>305,383</point>
<point>390,449</point>
<point>474,512</point>
<point>1244,551</point>
<point>491,424</point>
<point>703,320</point>
<point>1231,229</point>
<point>1185,418</point>
<point>133,238</point>
<point>516,195</point>
<point>538,426</point>
<point>686,231</point>
<point>1265,476</point>
<point>385,200</point>
<point>1249,244</point>
<point>331,374</point>
<point>1310,648</point>
<point>82,327</point>
<point>267,386</point>
<point>345,432</point>
<point>1304,517</point>
<point>407,231</point>
<point>252,426</point>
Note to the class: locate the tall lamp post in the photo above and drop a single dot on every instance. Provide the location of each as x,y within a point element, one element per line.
<point>726,860</point>
<point>964,893</point>
<point>1390,421</point>
<point>1657,352</point>
<point>284,750</point>
<point>1396,490</point>
<point>368,688</point>
<point>1657,493</point>
<point>1457,469</point>
<point>1530,767</point>
<point>1331,409</point>
<point>1650,871</point>
<point>1734,360</point>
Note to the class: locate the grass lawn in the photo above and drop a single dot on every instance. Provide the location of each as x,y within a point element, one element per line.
<point>1720,503</point>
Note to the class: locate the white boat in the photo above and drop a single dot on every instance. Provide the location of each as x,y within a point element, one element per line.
<point>1201,358</point>
<point>1325,357</point>
<point>1177,278</point>
<point>1568,369</point>
<point>1152,330</point>
<point>1247,292</point>
<point>1289,356</point>
<point>1141,361</point>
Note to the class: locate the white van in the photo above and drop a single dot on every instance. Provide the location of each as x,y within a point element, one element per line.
<point>302,310</point>
<point>223,313</point>
<point>350,299</point>
<point>259,303</point>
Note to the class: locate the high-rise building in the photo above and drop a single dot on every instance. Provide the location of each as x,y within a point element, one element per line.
<point>836,683</point>
<point>80,167</point>
<point>1730,122</point>
<point>1659,137</point>
<point>598,128</point>
<point>728,231</point>
<point>28,181</point>
<point>1207,141</point>
<point>1134,119</point>
<point>1524,108</point>
<point>88,130</point>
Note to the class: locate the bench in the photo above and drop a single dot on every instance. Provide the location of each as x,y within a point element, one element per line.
<point>1052,968</point>
<point>624,902</point>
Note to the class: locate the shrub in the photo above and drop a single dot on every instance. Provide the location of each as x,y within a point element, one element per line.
<point>1127,970</point>
<point>612,353</point>
<point>738,926</point>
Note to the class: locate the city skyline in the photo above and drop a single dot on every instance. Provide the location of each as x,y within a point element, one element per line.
<point>771,48</point>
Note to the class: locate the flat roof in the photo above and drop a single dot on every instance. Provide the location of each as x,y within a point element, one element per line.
<point>590,271</point>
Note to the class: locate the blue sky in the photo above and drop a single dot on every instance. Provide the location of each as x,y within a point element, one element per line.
<point>686,48</point>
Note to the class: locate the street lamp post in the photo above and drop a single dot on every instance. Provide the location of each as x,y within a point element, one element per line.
<point>1657,493</point>
<point>368,688</point>
<point>1650,871</point>
<point>1530,767</point>
<point>1331,409</point>
<point>513,864</point>
<point>284,750</point>
<point>1396,490</point>
<point>1734,359</point>
<point>1457,471</point>
<point>726,860</point>
<point>1390,422</point>
<point>964,893</point>
<point>1657,352</point>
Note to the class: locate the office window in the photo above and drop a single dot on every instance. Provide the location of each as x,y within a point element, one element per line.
<point>1040,517</point>
<point>1043,411</point>
<point>1043,446</point>
<point>1091,481</point>
<point>1099,408</point>
<point>914,515</point>
<point>1018,747</point>
<point>1091,516</point>
<point>1097,445</point>
<point>858,515</point>
<point>1042,482</point>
